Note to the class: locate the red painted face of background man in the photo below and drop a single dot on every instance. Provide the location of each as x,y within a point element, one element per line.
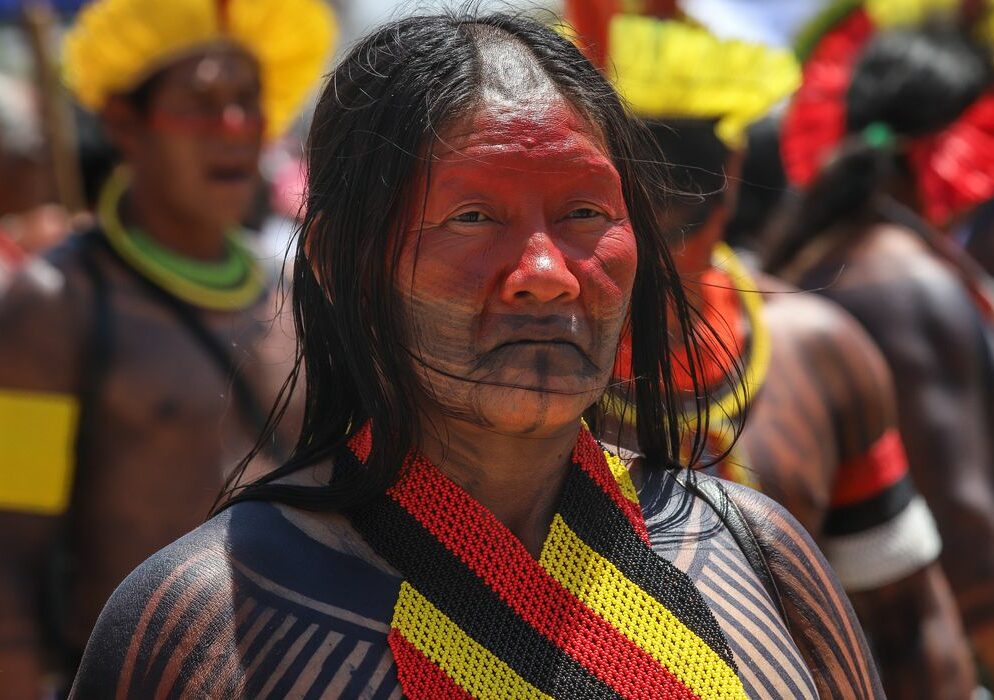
<point>517,275</point>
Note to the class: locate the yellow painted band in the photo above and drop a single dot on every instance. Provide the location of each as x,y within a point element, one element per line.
<point>37,442</point>
<point>599,585</point>
<point>471,665</point>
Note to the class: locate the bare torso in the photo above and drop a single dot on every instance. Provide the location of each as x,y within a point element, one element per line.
<point>163,428</point>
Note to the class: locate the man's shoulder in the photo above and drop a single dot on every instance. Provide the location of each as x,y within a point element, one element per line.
<point>44,314</point>
<point>900,285</point>
<point>244,586</point>
<point>254,547</point>
<point>804,316</point>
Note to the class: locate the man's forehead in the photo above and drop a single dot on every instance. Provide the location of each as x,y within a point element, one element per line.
<point>216,63</point>
<point>548,126</point>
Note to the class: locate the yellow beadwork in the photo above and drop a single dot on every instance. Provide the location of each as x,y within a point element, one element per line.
<point>670,69</point>
<point>472,666</point>
<point>724,258</point>
<point>621,475</point>
<point>598,584</point>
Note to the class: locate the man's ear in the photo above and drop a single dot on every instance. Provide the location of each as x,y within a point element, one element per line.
<point>122,124</point>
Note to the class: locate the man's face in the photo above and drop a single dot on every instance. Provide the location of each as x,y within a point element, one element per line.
<point>516,289</point>
<point>198,143</point>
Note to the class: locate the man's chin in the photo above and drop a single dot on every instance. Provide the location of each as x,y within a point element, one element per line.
<point>228,202</point>
<point>535,411</point>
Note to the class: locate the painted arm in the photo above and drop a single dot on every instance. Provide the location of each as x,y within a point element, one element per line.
<point>149,640</point>
<point>819,616</point>
<point>248,606</point>
<point>36,433</point>
<point>931,338</point>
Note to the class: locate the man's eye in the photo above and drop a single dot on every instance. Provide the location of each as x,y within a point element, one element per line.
<point>583,213</point>
<point>470,217</point>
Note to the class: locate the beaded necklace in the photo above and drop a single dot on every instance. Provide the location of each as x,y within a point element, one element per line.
<point>598,615</point>
<point>735,398</point>
<point>233,284</point>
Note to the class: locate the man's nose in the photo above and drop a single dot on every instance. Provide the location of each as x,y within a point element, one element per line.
<point>540,274</point>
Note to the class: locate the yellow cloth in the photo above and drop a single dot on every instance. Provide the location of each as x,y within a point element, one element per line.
<point>37,443</point>
<point>115,44</point>
<point>667,68</point>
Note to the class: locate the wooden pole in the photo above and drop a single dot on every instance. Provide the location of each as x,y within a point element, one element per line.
<point>57,119</point>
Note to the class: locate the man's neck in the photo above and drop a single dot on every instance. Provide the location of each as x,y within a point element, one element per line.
<point>171,229</point>
<point>517,478</point>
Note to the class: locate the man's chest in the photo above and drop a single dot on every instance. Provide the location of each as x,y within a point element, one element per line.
<point>166,422</point>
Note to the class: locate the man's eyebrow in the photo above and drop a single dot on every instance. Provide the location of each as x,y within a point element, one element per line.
<point>451,173</point>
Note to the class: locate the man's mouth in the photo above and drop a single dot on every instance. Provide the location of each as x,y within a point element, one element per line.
<point>565,356</point>
<point>539,343</point>
<point>230,174</point>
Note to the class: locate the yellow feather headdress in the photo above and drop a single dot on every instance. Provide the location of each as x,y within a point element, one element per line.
<point>115,44</point>
<point>666,68</point>
<point>893,14</point>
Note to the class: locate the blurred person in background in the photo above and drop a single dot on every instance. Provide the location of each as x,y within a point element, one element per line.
<point>820,434</point>
<point>133,383</point>
<point>30,220</point>
<point>977,237</point>
<point>890,138</point>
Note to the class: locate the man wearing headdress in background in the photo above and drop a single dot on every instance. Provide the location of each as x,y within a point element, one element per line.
<point>821,433</point>
<point>132,383</point>
<point>889,139</point>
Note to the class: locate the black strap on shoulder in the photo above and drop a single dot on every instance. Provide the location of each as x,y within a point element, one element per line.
<point>714,494</point>
<point>96,351</point>
<point>97,346</point>
<point>189,318</point>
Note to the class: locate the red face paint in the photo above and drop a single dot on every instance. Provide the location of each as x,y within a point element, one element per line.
<point>209,126</point>
<point>516,292</point>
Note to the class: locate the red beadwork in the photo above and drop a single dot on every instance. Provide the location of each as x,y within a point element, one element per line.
<point>418,675</point>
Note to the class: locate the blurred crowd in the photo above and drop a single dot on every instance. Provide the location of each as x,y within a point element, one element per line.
<point>830,194</point>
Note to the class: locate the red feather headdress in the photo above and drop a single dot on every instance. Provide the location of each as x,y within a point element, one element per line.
<point>952,168</point>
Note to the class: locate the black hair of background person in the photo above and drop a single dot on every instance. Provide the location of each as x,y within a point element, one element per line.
<point>362,164</point>
<point>915,82</point>
<point>762,185</point>
<point>695,167</point>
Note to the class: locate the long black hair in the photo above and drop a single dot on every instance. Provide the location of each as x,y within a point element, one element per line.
<point>914,82</point>
<point>378,116</point>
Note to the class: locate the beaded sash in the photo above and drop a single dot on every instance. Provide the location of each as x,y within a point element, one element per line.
<point>599,615</point>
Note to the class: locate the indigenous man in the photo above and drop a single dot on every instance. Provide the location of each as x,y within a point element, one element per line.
<point>821,435</point>
<point>889,137</point>
<point>137,377</point>
<point>447,526</point>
